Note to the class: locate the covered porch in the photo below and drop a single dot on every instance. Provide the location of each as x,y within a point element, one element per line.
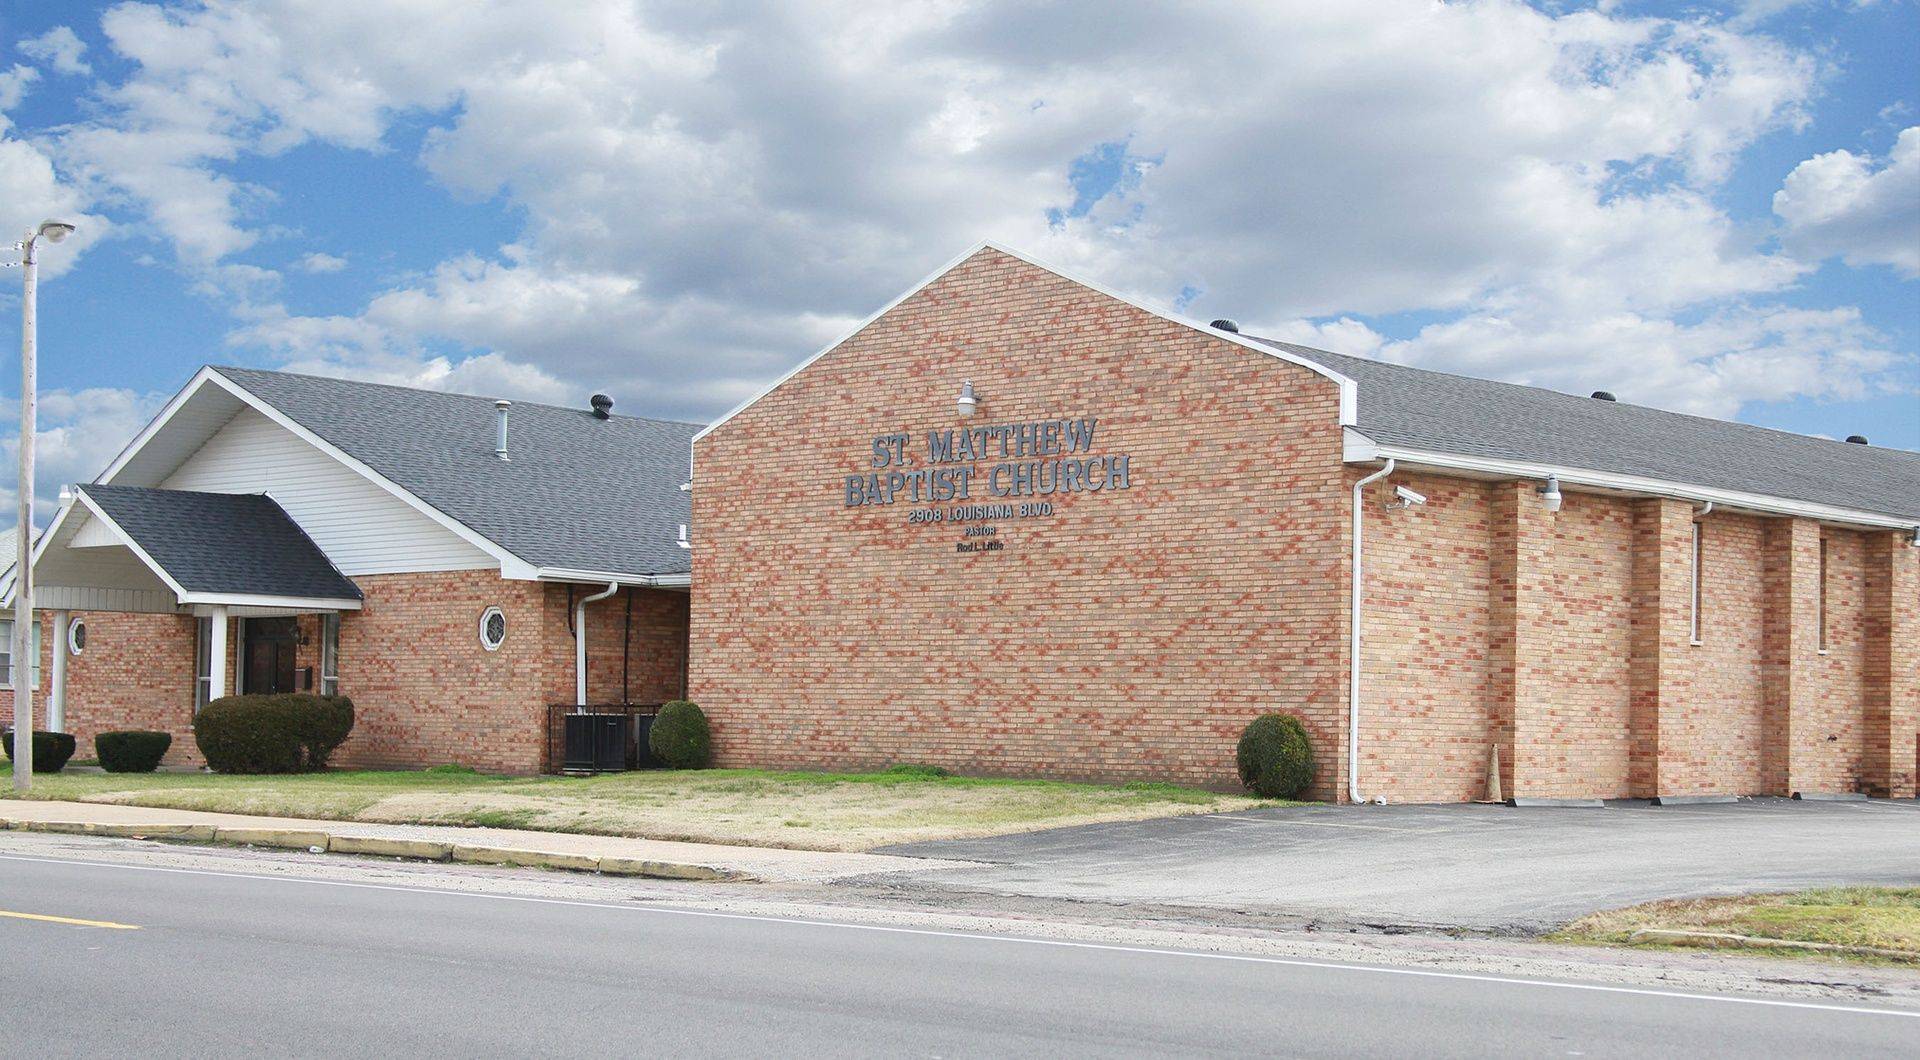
<point>234,571</point>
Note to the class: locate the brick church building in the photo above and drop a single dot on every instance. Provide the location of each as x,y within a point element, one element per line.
<point>1016,524</point>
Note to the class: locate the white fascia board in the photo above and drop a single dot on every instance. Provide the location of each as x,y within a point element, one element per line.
<point>1349,401</point>
<point>290,603</point>
<point>590,577</point>
<point>511,566</point>
<point>93,509</point>
<point>155,425</point>
<point>1608,480</point>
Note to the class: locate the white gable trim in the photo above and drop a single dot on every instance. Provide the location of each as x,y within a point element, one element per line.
<point>101,518</point>
<point>1349,390</point>
<point>511,566</point>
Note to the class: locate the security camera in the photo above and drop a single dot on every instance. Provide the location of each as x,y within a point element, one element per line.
<point>1406,498</point>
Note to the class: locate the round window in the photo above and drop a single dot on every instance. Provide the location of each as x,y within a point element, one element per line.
<point>77,637</point>
<point>493,628</point>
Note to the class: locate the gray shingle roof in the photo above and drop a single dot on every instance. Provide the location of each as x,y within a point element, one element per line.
<point>578,493</point>
<point>241,543</point>
<point>1457,414</point>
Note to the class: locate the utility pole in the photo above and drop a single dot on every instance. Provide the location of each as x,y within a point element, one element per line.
<point>24,659</point>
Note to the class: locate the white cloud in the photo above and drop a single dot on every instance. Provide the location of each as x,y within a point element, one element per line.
<point>320,261</point>
<point>61,48</point>
<point>78,433</point>
<point>711,191</point>
<point>1839,204</point>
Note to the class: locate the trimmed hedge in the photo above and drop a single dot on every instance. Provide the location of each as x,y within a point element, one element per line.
<point>291,733</point>
<point>50,749</point>
<point>1275,759</point>
<point>137,751</point>
<point>680,737</point>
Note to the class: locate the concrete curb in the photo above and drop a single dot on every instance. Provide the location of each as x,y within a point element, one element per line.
<point>412,849</point>
<point>378,846</point>
<point>1693,800</point>
<point>1583,804</point>
<point>285,838</point>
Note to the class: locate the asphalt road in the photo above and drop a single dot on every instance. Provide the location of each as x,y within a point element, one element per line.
<point>1482,867</point>
<point>219,963</point>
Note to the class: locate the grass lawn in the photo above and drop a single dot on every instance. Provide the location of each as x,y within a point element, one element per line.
<point>807,811</point>
<point>1883,918</point>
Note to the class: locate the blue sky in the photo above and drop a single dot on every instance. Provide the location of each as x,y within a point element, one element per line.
<point>676,205</point>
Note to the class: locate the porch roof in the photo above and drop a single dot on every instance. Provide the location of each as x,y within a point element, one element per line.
<point>220,544</point>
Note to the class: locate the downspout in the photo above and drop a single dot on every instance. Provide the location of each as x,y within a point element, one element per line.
<point>1353,640</point>
<point>580,642</point>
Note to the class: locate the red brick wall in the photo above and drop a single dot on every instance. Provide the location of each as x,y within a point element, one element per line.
<point>655,653</point>
<point>1427,697</point>
<point>1715,738</point>
<point>424,691</point>
<point>135,674</point>
<point>1131,635</point>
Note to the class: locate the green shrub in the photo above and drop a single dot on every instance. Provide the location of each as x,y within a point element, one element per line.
<point>906,769</point>
<point>131,752</point>
<point>680,737</point>
<point>325,723</point>
<point>50,749</point>
<point>1276,762</point>
<point>272,734</point>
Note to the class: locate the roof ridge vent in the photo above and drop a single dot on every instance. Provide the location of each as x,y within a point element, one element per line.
<point>1604,395</point>
<point>1857,439</point>
<point>1223,324</point>
<point>602,406</point>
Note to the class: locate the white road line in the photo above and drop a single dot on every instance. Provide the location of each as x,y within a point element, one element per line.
<point>1246,958</point>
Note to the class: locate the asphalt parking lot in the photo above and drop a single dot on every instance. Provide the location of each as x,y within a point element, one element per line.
<point>1479,867</point>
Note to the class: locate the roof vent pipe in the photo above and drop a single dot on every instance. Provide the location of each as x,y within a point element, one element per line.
<point>1857,439</point>
<point>1223,324</point>
<point>1603,395</point>
<point>500,427</point>
<point>602,406</point>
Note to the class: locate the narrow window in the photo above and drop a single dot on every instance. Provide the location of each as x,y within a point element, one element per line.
<point>1823,594</point>
<point>1697,622</point>
<point>6,654</point>
<point>203,665</point>
<point>330,654</point>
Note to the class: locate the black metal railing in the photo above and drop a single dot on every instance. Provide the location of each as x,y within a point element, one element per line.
<point>599,737</point>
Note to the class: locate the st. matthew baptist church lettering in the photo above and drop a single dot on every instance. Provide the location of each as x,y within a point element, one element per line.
<point>1034,459</point>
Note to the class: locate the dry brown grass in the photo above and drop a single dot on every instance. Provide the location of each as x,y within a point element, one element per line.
<point>1867,918</point>
<point>806,811</point>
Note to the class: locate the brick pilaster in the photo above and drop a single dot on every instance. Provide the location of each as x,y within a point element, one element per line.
<point>1892,677</point>
<point>1521,677</point>
<point>1661,675</point>
<point>1789,650</point>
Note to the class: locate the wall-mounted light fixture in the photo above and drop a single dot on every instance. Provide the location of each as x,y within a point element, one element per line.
<point>1551,493</point>
<point>967,401</point>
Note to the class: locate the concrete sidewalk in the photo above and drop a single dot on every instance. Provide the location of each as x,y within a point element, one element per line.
<point>500,846</point>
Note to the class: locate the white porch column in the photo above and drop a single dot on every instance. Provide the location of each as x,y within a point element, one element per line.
<point>57,691</point>
<point>217,654</point>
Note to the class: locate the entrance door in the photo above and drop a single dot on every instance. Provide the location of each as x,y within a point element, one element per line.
<point>270,645</point>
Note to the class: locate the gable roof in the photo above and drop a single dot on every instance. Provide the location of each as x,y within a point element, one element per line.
<point>1417,409</point>
<point>226,543</point>
<point>577,493</point>
<point>1345,384</point>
